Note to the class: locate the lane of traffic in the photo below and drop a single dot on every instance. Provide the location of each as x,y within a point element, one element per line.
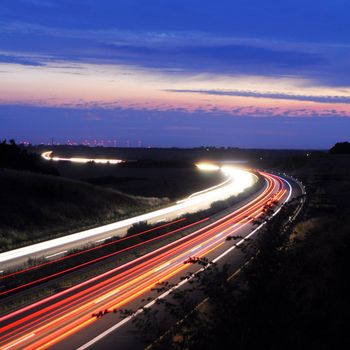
<point>202,244</point>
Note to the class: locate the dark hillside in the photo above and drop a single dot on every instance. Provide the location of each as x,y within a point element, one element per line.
<point>340,148</point>
<point>36,207</point>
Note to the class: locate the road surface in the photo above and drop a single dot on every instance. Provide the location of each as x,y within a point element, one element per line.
<point>68,320</point>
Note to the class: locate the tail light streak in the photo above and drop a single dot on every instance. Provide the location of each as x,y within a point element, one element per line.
<point>60,319</point>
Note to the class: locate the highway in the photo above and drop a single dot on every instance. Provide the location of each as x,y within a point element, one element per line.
<point>237,181</point>
<point>69,319</point>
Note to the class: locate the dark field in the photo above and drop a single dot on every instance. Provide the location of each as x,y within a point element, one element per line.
<point>173,183</point>
<point>36,207</point>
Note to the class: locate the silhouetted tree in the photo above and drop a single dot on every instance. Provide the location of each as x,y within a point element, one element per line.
<point>340,148</point>
<point>15,157</point>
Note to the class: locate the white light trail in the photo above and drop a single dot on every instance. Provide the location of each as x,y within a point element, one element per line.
<point>103,239</point>
<point>19,341</point>
<point>47,156</point>
<point>239,180</point>
<point>207,167</point>
<point>53,255</point>
<point>196,248</point>
<point>107,295</point>
<point>161,267</point>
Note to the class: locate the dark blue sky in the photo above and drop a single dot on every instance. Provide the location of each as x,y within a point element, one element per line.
<point>246,73</point>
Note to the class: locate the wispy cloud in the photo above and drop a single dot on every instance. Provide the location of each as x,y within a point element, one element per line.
<point>270,95</point>
<point>22,60</point>
<point>181,52</point>
<point>227,39</point>
<point>169,50</point>
<point>205,110</point>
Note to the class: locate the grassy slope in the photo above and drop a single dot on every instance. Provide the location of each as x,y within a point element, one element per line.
<point>36,207</point>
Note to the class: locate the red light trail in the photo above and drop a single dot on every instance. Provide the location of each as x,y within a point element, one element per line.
<point>46,322</point>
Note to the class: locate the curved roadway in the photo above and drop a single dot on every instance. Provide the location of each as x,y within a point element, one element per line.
<point>67,320</point>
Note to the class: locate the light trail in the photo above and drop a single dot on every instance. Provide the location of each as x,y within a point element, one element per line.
<point>197,232</point>
<point>47,156</point>
<point>90,249</point>
<point>103,239</point>
<point>56,254</point>
<point>209,225</point>
<point>239,181</point>
<point>144,286</point>
<point>62,315</point>
<point>89,262</point>
<point>181,283</point>
<point>19,341</point>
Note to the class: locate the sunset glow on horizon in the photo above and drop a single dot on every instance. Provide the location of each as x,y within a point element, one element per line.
<point>110,86</point>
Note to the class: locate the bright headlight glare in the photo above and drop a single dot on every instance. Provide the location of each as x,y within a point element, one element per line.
<point>207,167</point>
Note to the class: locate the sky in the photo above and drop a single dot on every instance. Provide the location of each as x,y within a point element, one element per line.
<point>185,73</point>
